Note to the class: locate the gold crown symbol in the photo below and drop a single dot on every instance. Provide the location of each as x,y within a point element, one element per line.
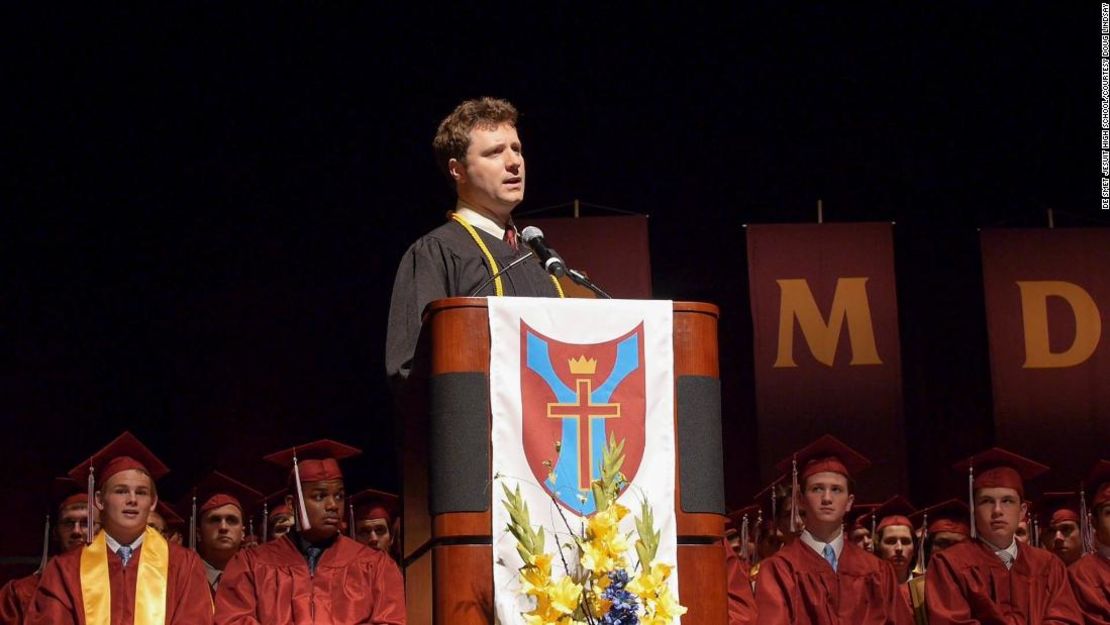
<point>583,365</point>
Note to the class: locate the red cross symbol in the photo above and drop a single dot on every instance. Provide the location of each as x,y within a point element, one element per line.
<point>584,411</point>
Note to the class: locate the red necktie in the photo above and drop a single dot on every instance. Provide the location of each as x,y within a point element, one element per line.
<point>510,238</point>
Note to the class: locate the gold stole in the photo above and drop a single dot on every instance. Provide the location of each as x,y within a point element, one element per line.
<point>498,289</point>
<point>150,587</point>
<point>917,597</point>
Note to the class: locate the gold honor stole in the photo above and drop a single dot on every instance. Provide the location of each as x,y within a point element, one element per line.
<point>150,587</point>
<point>498,288</point>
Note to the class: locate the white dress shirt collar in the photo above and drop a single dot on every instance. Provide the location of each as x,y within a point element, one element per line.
<point>114,544</point>
<point>478,220</point>
<point>811,541</point>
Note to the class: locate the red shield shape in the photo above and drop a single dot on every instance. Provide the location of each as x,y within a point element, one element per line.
<point>574,396</point>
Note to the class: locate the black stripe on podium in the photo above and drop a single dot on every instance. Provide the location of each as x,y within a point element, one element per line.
<point>700,456</point>
<point>459,443</point>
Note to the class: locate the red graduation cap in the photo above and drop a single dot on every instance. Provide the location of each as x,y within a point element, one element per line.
<point>999,468</point>
<point>66,492</point>
<point>735,520</point>
<point>825,454</point>
<point>170,516</point>
<point>273,507</point>
<point>314,462</point>
<point>1098,484</point>
<point>375,504</point>
<point>860,516</point>
<point>741,521</point>
<point>947,516</point>
<point>768,499</point>
<point>219,489</point>
<point>1058,507</point>
<point>124,453</point>
<point>893,511</point>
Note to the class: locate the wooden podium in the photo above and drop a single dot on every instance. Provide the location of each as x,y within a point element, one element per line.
<point>448,559</point>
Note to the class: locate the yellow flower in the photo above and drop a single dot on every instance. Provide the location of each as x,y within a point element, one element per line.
<point>667,607</point>
<point>565,595</point>
<point>650,583</point>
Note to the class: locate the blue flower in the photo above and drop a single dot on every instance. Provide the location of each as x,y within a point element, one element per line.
<point>623,604</point>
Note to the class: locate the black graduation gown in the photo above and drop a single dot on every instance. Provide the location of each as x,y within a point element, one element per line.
<point>447,262</point>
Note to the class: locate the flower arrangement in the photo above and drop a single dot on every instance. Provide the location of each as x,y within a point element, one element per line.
<point>599,586</point>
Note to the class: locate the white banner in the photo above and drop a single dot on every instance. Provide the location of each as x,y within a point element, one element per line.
<point>565,375</point>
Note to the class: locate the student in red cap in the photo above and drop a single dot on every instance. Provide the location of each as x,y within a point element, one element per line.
<point>942,525</point>
<point>374,521</point>
<point>1060,512</point>
<point>220,522</point>
<point>69,533</point>
<point>858,522</point>
<point>127,573</point>
<point>822,578</point>
<point>894,536</point>
<point>738,552</point>
<point>993,578</point>
<point>278,517</point>
<point>773,525</point>
<point>313,574</point>
<point>1090,576</point>
<point>945,525</point>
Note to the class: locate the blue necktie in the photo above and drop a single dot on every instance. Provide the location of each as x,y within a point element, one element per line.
<point>313,554</point>
<point>125,554</point>
<point>830,556</point>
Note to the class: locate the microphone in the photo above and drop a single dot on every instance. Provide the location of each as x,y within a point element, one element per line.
<point>549,258</point>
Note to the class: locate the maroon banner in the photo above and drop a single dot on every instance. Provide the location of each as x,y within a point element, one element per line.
<point>612,251</point>
<point>1048,321</point>
<point>827,358</point>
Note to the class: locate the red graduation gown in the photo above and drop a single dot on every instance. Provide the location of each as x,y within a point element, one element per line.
<point>796,586</point>
<point>968,584</point>
<point>58,598</point>
<point>1090,581</point>
<point>271,585</point>
<point>741,602</point>
<point>15,599</point>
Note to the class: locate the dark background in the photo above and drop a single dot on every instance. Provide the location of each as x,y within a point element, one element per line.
<point>203,207</point>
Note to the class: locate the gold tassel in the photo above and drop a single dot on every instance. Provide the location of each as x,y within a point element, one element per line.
<point>919,566</point>
<point>795,515</point>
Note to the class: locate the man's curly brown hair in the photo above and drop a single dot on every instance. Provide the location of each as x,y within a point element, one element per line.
<point>453,136</point>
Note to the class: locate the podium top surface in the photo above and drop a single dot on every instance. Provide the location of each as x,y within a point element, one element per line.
<point>480,302</point>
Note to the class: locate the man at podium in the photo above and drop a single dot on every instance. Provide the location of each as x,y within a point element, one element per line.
<point>478,149</point>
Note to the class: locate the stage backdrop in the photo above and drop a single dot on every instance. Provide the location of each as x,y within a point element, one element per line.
<point>564,376</point>
<point>1048,315</point>
<point>827,359</point>
<point>612,251</point>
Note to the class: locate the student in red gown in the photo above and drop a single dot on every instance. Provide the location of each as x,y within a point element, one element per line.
<point>943,525</point>
<point>375,521</point>
<point>128,573</point>
<point>220,522</point>
<point>69,533</point>
<point>1060,513</point>
<point>821,578</point>
<point>741,601</point>
<point>313,574</point>
<point>993,578</point>
<point>1090,576</point>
